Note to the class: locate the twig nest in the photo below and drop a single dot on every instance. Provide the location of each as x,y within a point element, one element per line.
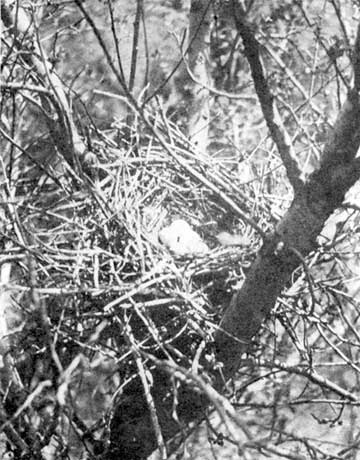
<point>181,239</point>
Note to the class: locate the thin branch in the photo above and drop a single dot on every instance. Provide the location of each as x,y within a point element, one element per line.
<point>135,45</point>
<point>323,45</point>
<point>26,404</point>
<point>275,56</point>
<point>178,64</point>
<point>314,377</point>
<point>116,41</point>
<point>214,91</point>
<point>24,87</point>
<point>202,179</point>
<point>222,405</point>
<point>341,22</point>
<point>266,99</point>
<point>193,172</point>
<point>146,47</point>
<point>108,58</point>
<point>323,193</point>
<point>12,434</point>
<point>356,60</point>
<point>47,171</point>
<point>63,131</point>
<point>146,386</point>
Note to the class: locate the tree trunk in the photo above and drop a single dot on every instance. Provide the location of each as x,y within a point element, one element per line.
<point>132,436</point>
<point>194,78</point>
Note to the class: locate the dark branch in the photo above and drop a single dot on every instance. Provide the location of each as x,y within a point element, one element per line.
<point>266,99</point>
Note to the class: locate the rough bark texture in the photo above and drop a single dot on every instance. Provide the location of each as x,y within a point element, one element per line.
<point>295,236</point>
<point>132,433</point>
<point>132,436</point>
<point>293,239</point>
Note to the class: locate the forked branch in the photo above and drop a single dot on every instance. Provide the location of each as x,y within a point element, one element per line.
<point>296,233</point>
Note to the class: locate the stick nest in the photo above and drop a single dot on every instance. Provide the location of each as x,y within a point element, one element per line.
<point>87,265</point>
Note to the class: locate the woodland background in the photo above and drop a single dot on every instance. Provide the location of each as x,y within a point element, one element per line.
<point>241,118</point>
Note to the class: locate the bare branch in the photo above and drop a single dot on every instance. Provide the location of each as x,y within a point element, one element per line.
<point>202,179</point>
<point>146,386</point>
<point>266,99</point>
<point>63,130</point>
<point>116,41</point>
<point>316,378</point>
<point>296,233</point>
<point>22,87</point>
<point>356,60</point>
<point>135,45</point>
<point>214,91</point>
<point>275,56</point>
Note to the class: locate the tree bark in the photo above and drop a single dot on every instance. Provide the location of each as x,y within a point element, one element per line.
<point>314,201</point>
<point>194,78</point>
<point>282,251</point>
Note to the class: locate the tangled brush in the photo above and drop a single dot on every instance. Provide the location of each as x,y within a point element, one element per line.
<point>90,279</point>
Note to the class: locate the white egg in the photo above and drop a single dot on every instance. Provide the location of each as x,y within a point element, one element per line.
<point>181,239</point>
